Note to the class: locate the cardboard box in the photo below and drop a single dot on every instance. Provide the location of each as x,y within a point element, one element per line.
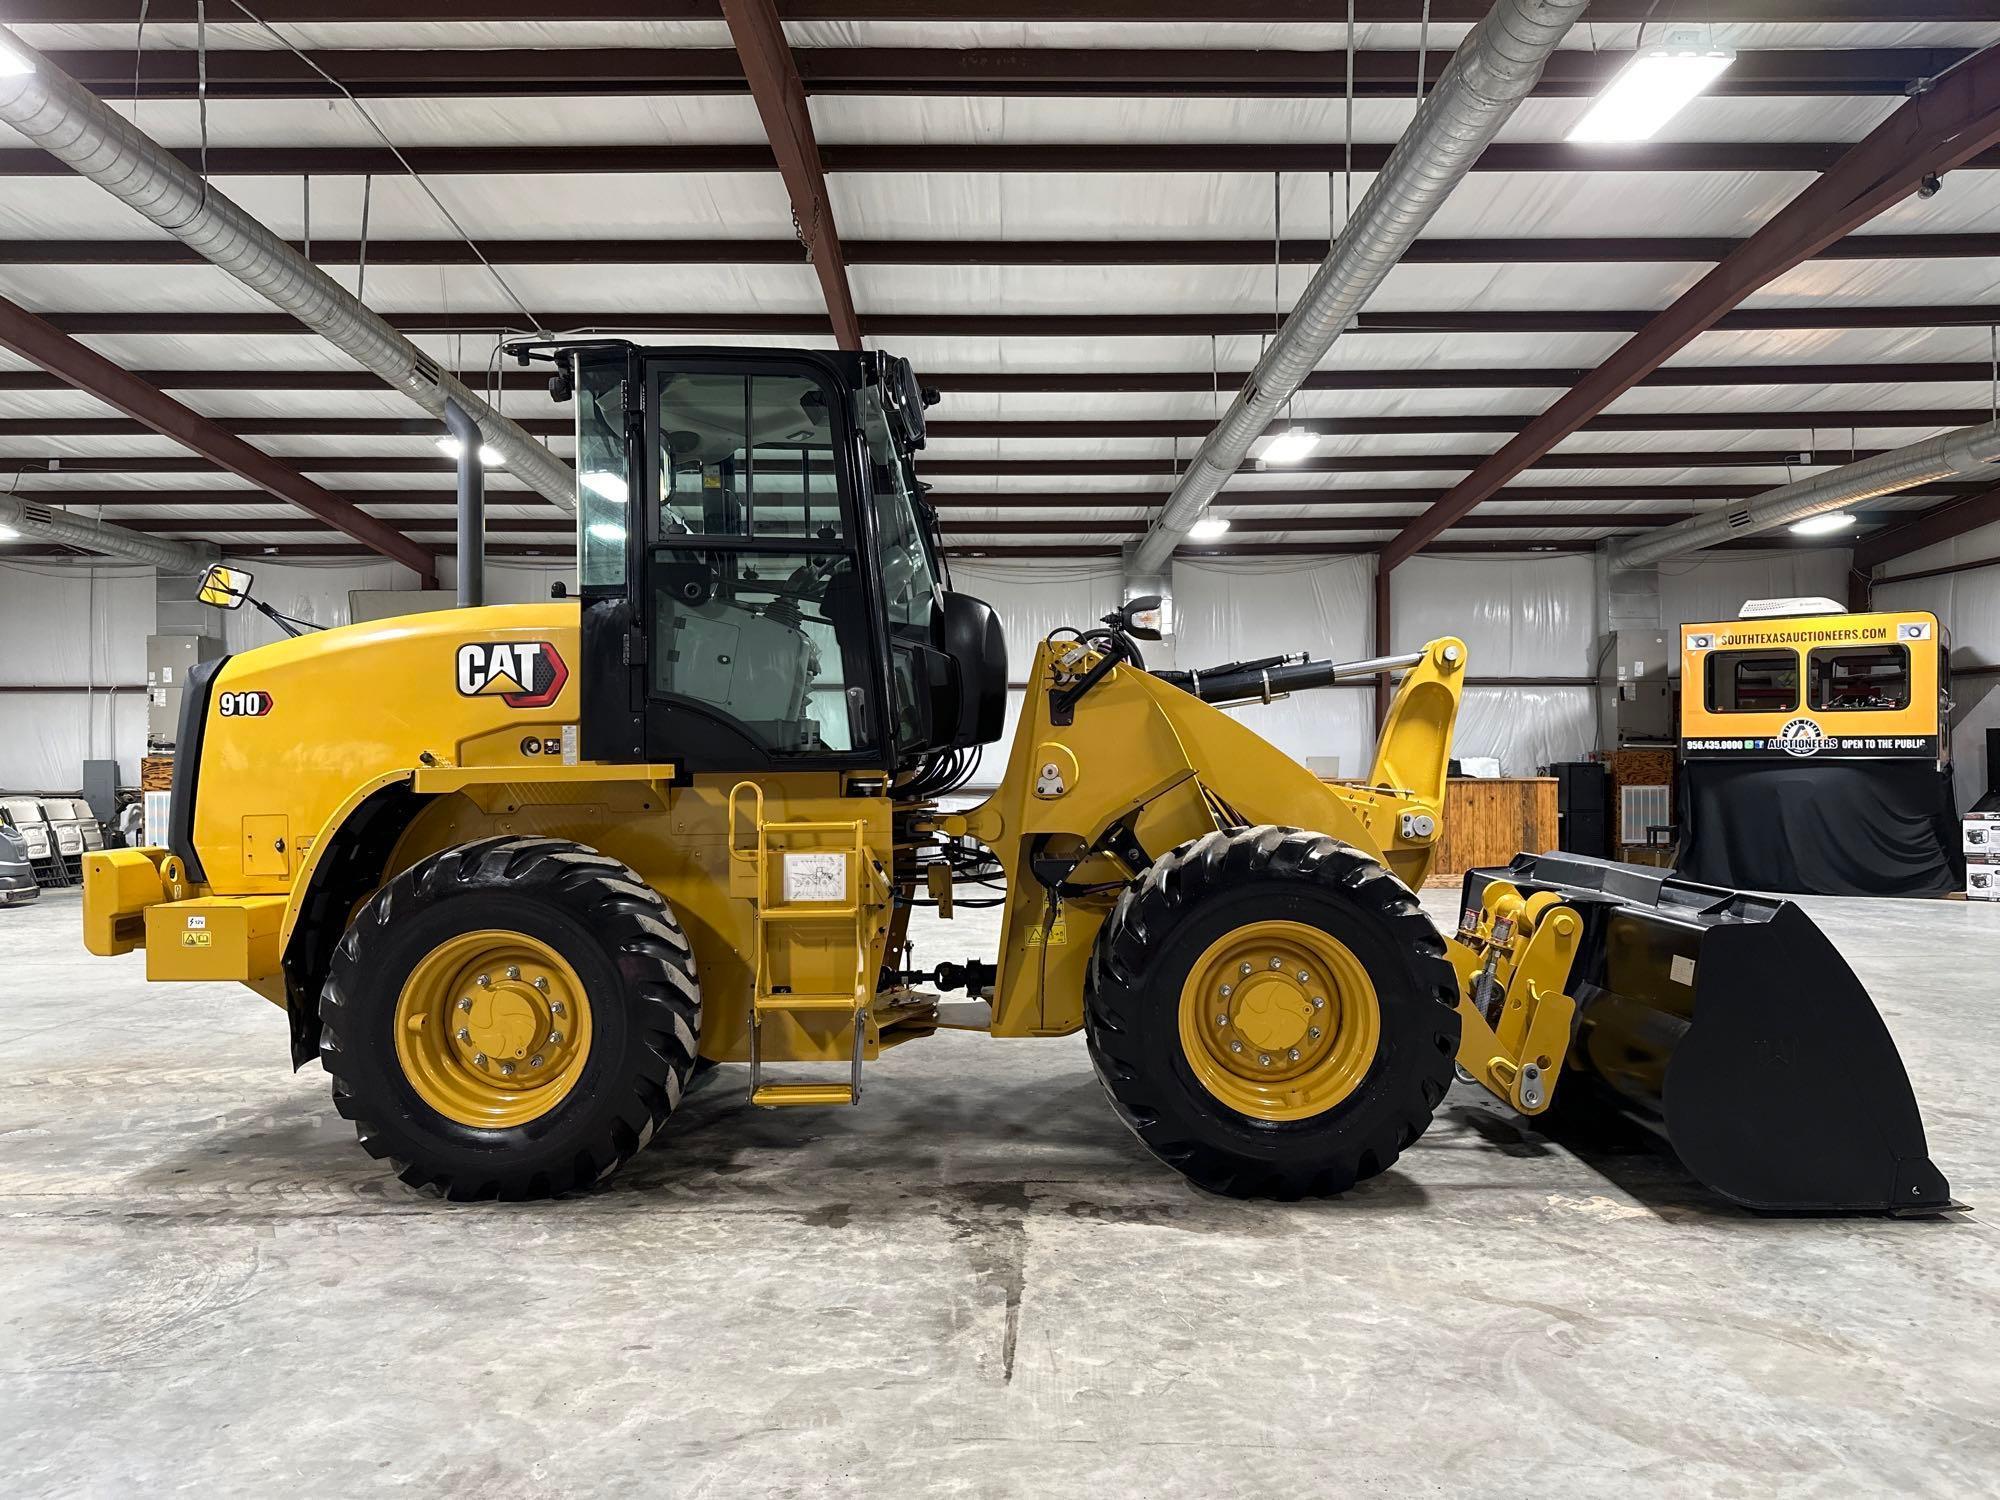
<point>1981,835</point>
<point>1982,880</point>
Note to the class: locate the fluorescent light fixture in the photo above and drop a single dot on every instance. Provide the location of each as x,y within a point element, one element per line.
<point>1289,446</point>
<point>1654,87</point>
<point>449,447</point>
<point>1208,528</point>
<point>1832,521</point>
<point>13,63</point>
<point>611,486</point>
<point>607,531</point>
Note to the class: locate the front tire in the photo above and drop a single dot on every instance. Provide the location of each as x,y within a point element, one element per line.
<point>513,1018</point>
<point>1272,1013</point>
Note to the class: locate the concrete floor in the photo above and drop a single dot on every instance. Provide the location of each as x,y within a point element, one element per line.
<point>975,1284</point>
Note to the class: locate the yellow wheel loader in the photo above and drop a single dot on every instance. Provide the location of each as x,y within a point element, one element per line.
<point>513,872</point>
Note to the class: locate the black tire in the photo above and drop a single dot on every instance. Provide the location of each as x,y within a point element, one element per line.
<point>638,974</point>
<point>1157,933</point>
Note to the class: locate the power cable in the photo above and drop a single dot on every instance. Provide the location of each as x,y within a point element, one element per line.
<point>534,323</point>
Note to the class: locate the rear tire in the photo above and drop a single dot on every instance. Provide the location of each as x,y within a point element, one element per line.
<point>1351,1107</point>
<point>602,1011</point>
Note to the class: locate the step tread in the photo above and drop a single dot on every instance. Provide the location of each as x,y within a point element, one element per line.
<point>800,1095</point>
<point>843,1003</point>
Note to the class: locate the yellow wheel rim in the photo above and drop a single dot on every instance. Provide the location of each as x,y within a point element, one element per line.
<point>492,1029</point>
<point>1279,1020</point>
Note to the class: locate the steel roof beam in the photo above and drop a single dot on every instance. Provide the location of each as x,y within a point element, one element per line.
<point>1616,250</point>
<point>917,160</point>
<point>1112,382</point>
<point>1180,72</point>
<point>1161,468</point>
<point>1933,133</point>
<point>90,372</point>
<point>1145,12</point>
<point>1818,315</point>
<point>772,72</point>
<point>1087,429</point>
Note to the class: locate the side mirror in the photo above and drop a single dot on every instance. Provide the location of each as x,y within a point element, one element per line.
<point>1141,618</point>
<point>224,588</point>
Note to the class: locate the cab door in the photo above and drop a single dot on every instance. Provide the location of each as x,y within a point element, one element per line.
<point>759,606</point>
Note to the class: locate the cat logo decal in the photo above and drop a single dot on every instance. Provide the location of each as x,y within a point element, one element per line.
<point>521,674</point>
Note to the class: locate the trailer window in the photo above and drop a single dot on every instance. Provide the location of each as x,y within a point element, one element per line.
<point>1859,678</point>
<point>1753,682</point>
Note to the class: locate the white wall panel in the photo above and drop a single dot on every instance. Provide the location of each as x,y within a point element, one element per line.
<point>1034,598</point>
<point>62,629</point>
<point>1530,617</point>
<point>1715,587</point>
<point>1229,611</point>
<point>1968,606</point>
<point>46,737</point>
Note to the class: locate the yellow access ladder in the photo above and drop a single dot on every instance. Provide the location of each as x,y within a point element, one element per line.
<point>804,878</point>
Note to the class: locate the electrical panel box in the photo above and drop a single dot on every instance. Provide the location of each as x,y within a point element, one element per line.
<point>169,659</point>
<point>1636,691</point>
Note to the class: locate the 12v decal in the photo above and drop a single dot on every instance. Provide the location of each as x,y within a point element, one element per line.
<point>521,674</point>
<point>243,705</point>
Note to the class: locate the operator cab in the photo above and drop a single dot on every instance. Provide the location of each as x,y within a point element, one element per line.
<point>760,577</point>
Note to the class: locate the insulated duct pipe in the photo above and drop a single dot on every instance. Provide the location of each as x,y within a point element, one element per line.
<point>44,523</point>
<point>69,122</point>
<point>1962,452</point>
<point>1493,69</point>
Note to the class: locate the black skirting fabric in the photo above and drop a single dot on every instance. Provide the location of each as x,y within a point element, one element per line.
<point>1824,828</point>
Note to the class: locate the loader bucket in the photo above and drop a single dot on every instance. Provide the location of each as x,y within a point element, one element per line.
<point>1729,1024</point>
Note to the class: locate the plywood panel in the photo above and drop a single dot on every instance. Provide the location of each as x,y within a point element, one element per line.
<point>1488,822</point>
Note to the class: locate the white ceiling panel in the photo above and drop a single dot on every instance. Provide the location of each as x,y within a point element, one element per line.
<point>1096,205</point>
<point>513,120</point>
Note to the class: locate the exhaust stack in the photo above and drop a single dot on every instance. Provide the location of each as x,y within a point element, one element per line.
<point>471,506</point>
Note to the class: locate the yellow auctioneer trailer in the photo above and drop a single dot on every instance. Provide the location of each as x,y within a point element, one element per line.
<point>1814,750</point>
<point>1806,685</point>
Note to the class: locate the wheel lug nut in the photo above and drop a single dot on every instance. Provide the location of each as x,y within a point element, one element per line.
<point>535,1061</point>
<point>1244,970</point>
<point>506,1070</point>
<point>1223,1019</point>
<point>486,981</point>
<point>1319,1002</point>
<point>1304,977</point>
<point>465,1002</point>
<point>1228,990</point>
<point>1277,963</point>
<point>542,983</point>
<point>555,1038</point>
<point>1312,1033</point>
<point>479,1060</point>
<point>1264,1058</point>
<point>555,1007</point>
<point>1235,1046</point>
<point>464,1035</point>
<point>1293,1054</point>
<point>513,971</point>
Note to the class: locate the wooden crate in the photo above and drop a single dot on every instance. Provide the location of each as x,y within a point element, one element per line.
<point>1489,821</point>
<point>156,773</point>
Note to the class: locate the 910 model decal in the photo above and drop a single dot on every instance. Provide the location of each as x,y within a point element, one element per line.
<point>521,674</point>
<point>243,705</point>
